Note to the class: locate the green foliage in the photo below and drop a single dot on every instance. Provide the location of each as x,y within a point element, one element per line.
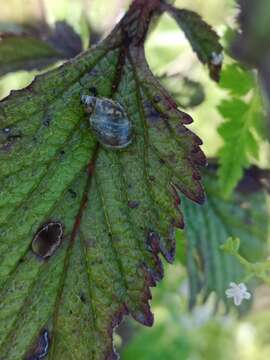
<point>231,246</point>
<point>237,80</point>
<point>164,342</point>
<point>243,126</point>
<point>203,39</point>
<point>209,227</point>
<point>37,47</point>
<point>24,52</point>
<point>179,334</point>
<point>259,269</point>
<point>118,209</point>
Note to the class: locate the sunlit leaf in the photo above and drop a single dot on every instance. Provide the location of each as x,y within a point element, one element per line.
<point>237,80</point>
<point>203,39</point>
<point>107,215</point>
<point>243,127</point>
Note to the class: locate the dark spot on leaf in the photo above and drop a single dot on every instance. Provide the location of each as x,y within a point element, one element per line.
<point>133,204</point>
<point>6,147</point>
<point>186,118</point>
<point>71,312</point>
<point>152,115</point>
<point>82,297</point>
<point>175,195</point>
<point>47,121</point>
<point>11,141</point>
<point>153,241</point>
<point>41,349</point>
<point>162,161</point>
<point>14,137</point>
<point>93,91</point>
<point>152,178</point>
<point>62,152</point>
<point>157,98</point>
<point>72,193</point>
<point>47,239</point>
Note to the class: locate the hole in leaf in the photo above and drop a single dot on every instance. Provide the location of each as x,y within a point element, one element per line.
<point>93,91</point>
<point>82,297</point>
<point>133,204</point>
<point>41,349</point>
<point>72,193</point>
<point>47,239</point>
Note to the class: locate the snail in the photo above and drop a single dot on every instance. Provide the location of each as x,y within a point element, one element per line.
<point>109,121</point>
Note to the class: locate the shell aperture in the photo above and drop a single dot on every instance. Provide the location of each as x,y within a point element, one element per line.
<point>109,121</point>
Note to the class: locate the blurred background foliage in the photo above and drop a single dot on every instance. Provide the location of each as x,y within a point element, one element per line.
<point>210,329</point>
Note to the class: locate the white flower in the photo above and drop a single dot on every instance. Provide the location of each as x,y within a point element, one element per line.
<point>217,59</point>
<point>238,293</point>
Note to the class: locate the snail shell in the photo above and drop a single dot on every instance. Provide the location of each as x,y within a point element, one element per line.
<point>109,121</point>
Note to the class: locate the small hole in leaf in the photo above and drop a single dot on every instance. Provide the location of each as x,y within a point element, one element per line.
<point>157,98</point>
<point>47,121</point>
<point>73,194</point>
<point>82,297</point>
<point>93,91</point>
<point>41,348</point>
<point>133,204</point>
<point>47,239</point>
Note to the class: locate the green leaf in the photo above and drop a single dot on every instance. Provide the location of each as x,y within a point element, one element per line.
<point>236,79</point>
<point>37,47</point>
<point>203,39</point>
<point>208,229</point>
<point>243,128</point>
<point>55,177</point>
<point>231,246</point>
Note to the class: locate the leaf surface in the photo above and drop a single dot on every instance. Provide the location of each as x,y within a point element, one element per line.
<point>243,126</point>
<point>202,38</point>
<point>37,47</point>
<point>208,227</point>
<point>117,209</point>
